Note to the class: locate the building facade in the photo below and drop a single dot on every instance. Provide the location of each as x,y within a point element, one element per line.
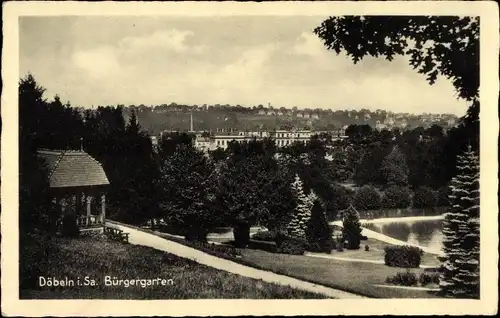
<point>282,138</point>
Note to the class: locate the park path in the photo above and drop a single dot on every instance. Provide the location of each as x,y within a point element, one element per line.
<point>139,237</point>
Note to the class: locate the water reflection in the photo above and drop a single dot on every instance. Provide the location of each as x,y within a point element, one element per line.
<point>424,233</point>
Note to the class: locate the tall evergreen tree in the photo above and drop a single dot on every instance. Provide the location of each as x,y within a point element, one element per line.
<point>351,228</point>
<point>460,268</point>
<point>302,213</point>
<point>33,181</point>
<point>318,232</point>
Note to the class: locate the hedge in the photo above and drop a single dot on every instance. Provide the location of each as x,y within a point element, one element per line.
<point>290,245</point>
<point>403,256</point>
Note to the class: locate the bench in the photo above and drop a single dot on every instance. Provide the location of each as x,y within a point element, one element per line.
<point>116,234</point>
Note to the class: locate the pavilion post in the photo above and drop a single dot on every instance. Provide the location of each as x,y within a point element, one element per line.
<point>89,198</point>
<point>103,207</point>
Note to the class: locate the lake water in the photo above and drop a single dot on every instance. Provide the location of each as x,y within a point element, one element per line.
<point>424,233</point>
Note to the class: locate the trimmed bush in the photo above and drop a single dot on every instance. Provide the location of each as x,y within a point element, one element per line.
<point>396,197</point>
<point>351,230</point>
<point>264,236</point>
<point>290,245</point>
<point>425,198</point>
<point>367,198</point>
<point>318,232</point>
<point>403,279</point>
<point>403,256</point>
<point>429,278</point>
<point>267,246</point>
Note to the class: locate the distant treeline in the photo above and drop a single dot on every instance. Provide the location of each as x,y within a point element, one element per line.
<point>156,119</point>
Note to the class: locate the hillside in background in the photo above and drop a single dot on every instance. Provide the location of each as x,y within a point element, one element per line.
<point>156,119</point>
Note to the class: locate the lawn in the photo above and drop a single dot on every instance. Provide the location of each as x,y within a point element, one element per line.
<point>96,257</point>
<point>376,252</point>
<point>355,277</point>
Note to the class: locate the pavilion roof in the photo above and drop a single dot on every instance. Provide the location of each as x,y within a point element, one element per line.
<point>70,168</point>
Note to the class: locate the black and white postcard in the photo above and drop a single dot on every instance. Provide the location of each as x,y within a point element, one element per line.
<point>249,158</point>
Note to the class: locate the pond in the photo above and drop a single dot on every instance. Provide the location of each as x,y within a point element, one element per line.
<point>425,233</point>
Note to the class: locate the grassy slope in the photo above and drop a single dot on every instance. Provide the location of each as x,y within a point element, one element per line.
<point>96,257</point>
<point>355,277</point>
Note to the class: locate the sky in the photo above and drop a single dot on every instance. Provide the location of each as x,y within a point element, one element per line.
<point>245,60</point>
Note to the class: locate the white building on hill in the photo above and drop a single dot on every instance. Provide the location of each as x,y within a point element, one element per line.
<point>282,138</point>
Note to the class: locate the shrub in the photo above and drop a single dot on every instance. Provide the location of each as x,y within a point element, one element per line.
<point>264,236</point>
<point>396,197</point>
<point>318,232</point>
<point>429,278</point>
<point>367,198</point>
<point>214,249</point>
<point>403,256</point>
<point>352,228</point>
<point>403,279</point>
<point>267,246</point>
<point>425,198</point>
<point>290,245</point>
<point>367,248</point>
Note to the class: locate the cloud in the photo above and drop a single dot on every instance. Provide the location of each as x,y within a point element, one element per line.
<point>98,62</point>
<point>247,61</point>
<point>172,40</point>
<point>309,44</point>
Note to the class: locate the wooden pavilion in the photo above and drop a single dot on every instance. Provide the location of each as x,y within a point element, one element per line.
<point>77,185</point>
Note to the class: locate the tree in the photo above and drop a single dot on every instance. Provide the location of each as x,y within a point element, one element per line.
<point>250,183</point>
<point>135,174</point>
<point>279,200</point>
<point>395,169</point>
<point>302,213</point>
<point>445,45</point>
<point>351,230</point>
<point>396,197</point>
<point>460,264</point>
<point>424,197</point>
<point>34,208</point>
<point>189,193</point>
<point>318,232</point>
<point>367,198</point>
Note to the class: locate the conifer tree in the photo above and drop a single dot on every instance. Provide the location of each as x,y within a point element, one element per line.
<point>318,233</point>
<point>460,269</point>
<point>302,213</point>
<point>351,228</point>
